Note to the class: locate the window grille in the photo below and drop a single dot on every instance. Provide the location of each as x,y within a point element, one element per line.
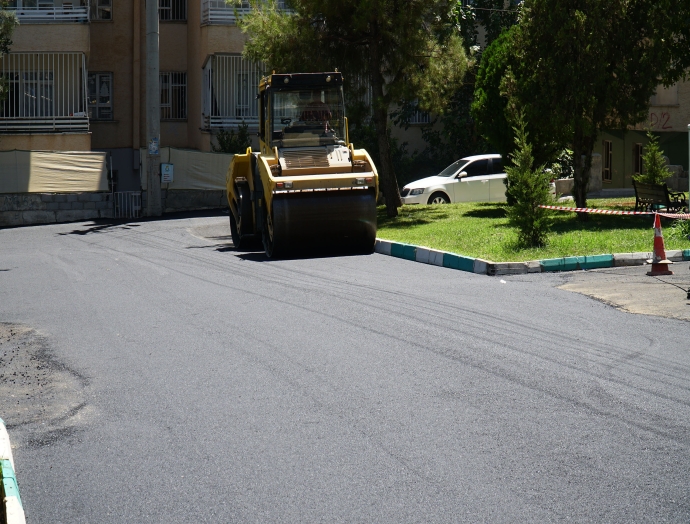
<point>100,93</point>
<point>172,10</point>
<point>173,88</point>
<point>608,157</point>
<point>229,92</point>
<point>45,91</point>
<point>47,11</point>
<point>222,12</point>
<point>101,10</point>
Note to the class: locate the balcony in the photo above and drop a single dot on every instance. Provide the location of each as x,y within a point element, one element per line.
<point>217,12</point>
<point>230,86</point>
<point>50,11</point>
<point>46,93</point>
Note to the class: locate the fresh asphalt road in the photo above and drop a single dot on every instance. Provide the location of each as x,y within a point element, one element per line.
<point>216,386</point>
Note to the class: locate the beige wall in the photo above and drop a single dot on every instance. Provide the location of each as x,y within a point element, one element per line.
<point>673,117</point>
<point>51,38</point>
<point>111,51</point>
<point>47,142</point>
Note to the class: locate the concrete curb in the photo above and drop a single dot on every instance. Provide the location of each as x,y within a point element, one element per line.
<point>435,257</point>
<point>9,489</point>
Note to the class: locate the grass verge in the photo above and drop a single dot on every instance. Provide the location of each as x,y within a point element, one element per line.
<point>481,230</point>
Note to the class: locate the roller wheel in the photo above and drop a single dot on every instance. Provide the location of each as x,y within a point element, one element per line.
<point>272,246</point>
<point>241,230</point>
<point>438,198</point>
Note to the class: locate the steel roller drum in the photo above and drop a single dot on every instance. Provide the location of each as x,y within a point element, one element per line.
<point>319,218</point>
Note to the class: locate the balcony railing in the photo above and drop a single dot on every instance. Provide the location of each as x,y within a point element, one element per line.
<point>46,93</point>
<point>66,13</point>
<point>230,85</point>
<point>218,12</point>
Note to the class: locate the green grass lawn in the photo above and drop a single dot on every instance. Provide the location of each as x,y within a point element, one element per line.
<point>481,230</point>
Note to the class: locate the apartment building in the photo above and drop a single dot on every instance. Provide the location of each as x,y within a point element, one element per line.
<point>669,116</point>
<point>77,78</point>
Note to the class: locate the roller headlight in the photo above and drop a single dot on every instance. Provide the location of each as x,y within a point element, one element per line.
<point>417,191</point>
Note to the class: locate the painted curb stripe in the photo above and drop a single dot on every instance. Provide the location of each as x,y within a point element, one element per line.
<point>9,481</point>
<point>460,262</point>
<point>485,267</point>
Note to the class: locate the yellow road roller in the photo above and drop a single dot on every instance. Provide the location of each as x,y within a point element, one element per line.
<point>308,187</point>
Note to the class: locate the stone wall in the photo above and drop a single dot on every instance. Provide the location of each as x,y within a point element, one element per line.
<point>22,209</point>
<point>174,200</point>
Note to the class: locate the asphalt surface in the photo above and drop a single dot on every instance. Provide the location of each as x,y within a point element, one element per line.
<point>161,376</point>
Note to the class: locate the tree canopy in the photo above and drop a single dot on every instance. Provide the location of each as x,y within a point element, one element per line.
<point>404,49</point>
<point>8,21</point>
<point>579,66</point>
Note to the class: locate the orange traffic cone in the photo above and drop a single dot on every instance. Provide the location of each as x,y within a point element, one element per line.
<point>659,262</point>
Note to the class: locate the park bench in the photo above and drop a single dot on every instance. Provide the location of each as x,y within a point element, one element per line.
<point>652,197</point>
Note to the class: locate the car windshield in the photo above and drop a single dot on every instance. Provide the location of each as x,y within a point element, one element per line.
<point>453,168</point>
<point>307,117</point>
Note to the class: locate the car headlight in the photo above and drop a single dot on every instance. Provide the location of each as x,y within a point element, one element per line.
<point>417,191</point>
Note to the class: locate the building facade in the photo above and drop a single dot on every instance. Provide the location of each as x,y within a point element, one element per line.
<point>621,150</point>
<point>77,78</point>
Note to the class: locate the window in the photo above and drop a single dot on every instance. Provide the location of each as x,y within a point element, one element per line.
<point>173,87</point>
<point>100,95</point>
<point>476,168</point>
<point>497,166</point>
<point>247,83</point>
<point>637,159</point>
<point>172,10</point>
<point>101,10</point>
<point>608,154</point>
<point>29,94</point>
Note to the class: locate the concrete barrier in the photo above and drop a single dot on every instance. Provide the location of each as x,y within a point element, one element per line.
<point>11,510</point>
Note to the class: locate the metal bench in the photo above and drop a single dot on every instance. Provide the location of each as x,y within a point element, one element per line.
<point>651,197</point>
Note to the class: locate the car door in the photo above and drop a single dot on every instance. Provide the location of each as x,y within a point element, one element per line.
<point>497,187</point>
<point>475,186</point>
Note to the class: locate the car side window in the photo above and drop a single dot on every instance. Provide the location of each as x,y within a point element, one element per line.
<point>497,166</point>
<point>477,168</point>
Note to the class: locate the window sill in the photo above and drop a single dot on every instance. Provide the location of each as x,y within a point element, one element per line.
<point>173,120</point>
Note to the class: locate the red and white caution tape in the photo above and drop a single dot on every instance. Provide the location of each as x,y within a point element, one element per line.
<point>681,216</point>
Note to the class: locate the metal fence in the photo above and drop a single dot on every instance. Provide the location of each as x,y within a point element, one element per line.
<point>127,204</point>
<point>219,12</point>
<point>230,85</point>
<point>69,12</point>
<point>45,92</point>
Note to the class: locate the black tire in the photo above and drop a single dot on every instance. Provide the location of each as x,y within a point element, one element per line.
<point>438,198</point>
<point>242,230</point>
<point>273,247</point>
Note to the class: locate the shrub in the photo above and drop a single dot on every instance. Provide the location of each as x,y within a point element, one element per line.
<point>229,142</point>
<point>655,170</point>
<point>527,189</point>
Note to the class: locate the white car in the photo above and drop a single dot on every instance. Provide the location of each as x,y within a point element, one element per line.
<point>471,179</point>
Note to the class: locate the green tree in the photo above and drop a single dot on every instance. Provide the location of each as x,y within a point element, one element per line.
<point>8,21</point>
<point>655,170</point>
<point>580,66</point>
<point>229,142</point>
<point>406,50</point>
<point>527,189</point>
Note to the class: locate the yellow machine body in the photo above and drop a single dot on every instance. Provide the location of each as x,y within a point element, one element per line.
<point>307,186</point>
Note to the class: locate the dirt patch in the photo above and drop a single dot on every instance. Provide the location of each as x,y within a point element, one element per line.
<point>631,289</point>
<point>41,399</point>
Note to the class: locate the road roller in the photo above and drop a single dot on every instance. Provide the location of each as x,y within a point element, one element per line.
<point>307,186</point>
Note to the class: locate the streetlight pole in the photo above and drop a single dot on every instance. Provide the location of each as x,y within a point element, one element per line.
<point>153,112</point>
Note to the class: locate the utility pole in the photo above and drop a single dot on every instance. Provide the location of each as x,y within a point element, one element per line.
<point>153,113</point>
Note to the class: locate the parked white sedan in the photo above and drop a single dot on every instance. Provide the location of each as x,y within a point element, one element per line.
<point>471,179</point>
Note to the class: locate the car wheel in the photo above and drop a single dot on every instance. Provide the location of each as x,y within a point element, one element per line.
<point>438,198</point>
